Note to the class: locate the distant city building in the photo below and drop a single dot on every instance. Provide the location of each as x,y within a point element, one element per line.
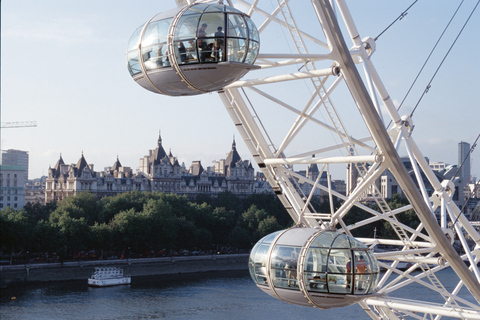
<point>66,180</point>
<point>474,190</point>
<point>12,157</point>
<point>35,191</point>
<point>312,174</point>
<point>12,187</point>
<point>464,167</point>
<point>158,171</point>
<point>389,186</point>
<point>464,161</point>
<point>438,166</point>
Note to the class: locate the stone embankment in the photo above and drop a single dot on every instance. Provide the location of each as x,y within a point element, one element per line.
<point>46,272</point>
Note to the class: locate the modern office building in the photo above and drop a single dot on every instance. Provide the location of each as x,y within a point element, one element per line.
<point>464,165</point>
<point>12,157</point>
<point>464,161</point>
<point>12,187</point>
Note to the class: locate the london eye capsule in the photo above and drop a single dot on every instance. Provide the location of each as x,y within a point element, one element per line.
<point>315,268</point>
<point>192,50</point>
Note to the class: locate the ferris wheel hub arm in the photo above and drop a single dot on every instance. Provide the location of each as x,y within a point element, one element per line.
<point>380,136</point>
<point>310,160</point>
<point>335,71</point>
<point>415,306</point>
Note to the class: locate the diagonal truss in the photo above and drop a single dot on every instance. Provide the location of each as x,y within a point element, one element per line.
<point>286,115</point>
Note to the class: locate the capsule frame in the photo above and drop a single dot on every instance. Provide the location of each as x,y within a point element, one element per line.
<point>311,267</point>
<point>174,54</point>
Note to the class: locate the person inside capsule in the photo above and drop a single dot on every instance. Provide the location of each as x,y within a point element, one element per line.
<point>202,43</point>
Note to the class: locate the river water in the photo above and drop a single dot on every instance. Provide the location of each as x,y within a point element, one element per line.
<point>206,296</point>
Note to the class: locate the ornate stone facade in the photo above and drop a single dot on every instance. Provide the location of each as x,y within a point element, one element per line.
<point>158,171</point>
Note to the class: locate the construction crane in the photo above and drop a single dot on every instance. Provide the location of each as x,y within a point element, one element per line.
<point>18,124</point>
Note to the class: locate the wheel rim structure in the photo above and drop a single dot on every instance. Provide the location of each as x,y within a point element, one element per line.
<point>354,136</point>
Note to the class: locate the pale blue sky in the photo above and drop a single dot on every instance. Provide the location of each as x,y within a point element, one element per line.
<point>63,66</point>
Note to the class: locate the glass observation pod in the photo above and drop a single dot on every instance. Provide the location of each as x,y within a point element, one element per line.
<point>315,268</point>
<point>192,50</point>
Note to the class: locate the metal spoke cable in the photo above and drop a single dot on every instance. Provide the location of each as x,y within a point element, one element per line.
<point>428,58</point>
<point>443,60</point>
<point>400,17</point>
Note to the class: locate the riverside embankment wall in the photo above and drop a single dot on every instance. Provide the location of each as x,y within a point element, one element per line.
<point>134,267</point>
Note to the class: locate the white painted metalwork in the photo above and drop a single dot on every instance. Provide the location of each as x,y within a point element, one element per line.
<point>287,115</point>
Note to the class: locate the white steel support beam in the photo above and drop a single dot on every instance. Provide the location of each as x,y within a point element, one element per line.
<point>416,306</point>
<point>382,140</point>
<point>283,77</point>
<point>310,160</point>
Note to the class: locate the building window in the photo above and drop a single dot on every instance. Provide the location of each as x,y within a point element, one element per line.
<point>394,190</point>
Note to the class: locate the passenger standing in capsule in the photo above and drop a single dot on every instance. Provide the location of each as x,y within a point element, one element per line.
<point>182,51</point>
<point>349,271</point>
<point>361,268</point>
<point>219,44</point>
<point>159,57</point>
<point>202,44</point>
<point>291,267</point>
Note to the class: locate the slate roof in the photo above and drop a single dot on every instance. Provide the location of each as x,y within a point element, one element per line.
<point>233,157</point>
<point>117,165</point>
<point>196,168</point>
<point>59,163</point>
<point>81,164</point>
<point>159,152</point>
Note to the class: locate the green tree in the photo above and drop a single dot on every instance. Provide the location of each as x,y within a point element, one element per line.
<point>252,217</point>
<point>16,230</point>
<point>267,226</point>
<point>163,225</point>
<point>102,238</point>
<point>47,237</point>
<point>272,205</point>
<point>229,201</point>
<point>241,238</point>
<point>75,232</point>
<point>203,239</point>
<point>130,230</point>
<point>355,215</point>
<point>258,223</point>
<point>223,223</point>
<point>83,205</point>
<point>37,211</point>
<point>129,200</point>
<point>408,218</point>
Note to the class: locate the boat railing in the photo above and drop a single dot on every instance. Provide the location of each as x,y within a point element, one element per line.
<point>107,272</point>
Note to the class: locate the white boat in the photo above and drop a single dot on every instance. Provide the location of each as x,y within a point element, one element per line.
<point>108,276</point>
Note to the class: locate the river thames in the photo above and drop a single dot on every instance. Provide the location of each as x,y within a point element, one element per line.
<point>204,296</point>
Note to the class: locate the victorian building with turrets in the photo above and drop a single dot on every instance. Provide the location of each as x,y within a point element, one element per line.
<point>158,171</point>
